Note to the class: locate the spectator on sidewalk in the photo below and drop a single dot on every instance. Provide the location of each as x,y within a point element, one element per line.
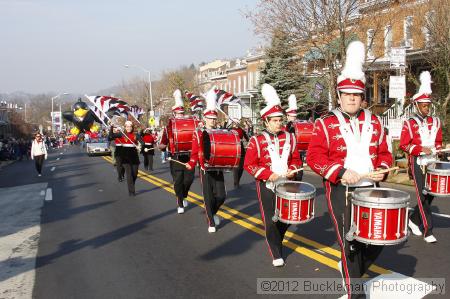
<point>38,152</point>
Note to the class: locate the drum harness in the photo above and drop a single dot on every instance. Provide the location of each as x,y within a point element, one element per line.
<point>278,163</point>
<point>427,138</point>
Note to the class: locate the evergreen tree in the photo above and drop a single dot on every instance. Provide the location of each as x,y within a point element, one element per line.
<point>283,70</point>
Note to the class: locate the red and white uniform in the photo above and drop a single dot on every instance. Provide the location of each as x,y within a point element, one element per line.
<point>195,155</point>
<point>148,139</point>
<point>419,132</point>
<point>413,139</point>
<point>327,151</point>
<point>257,159</point>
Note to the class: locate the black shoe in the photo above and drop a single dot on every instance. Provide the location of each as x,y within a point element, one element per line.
<point>132,194</point>
<point>121,179</point>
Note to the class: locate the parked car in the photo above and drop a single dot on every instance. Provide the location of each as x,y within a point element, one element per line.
<point>97,148</point>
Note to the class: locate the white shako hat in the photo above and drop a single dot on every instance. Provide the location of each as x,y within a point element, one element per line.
<point>352,78</point>
<point>424,93</point>
<point>292,109</point>
<point>273,103</point>
<point>211,105</point>
<point>179,106</point>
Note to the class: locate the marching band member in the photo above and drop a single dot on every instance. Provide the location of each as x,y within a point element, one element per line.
<point>291,115</point>
<point>213,182</point>
<point>117,155</point>
<point>237,172</point>
<point>346,143</point>
<point>182,177</point>
<point>128,154</point>
<point>271,156</point>
<point>421,136</point>
<point>148,149</point>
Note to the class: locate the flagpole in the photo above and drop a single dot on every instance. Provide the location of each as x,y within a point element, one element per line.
<point>109,119</point>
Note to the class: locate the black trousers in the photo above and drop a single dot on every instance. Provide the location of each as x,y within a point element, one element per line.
<point>38,162</point>
<point>237,172</point>
<point>421,215</point>
<point>275,231</point>
<point>214,193</point>
<point>131,171</point>
<point>356,257</point>
<point>182,181</point>
<point>119,167</point>
<point>148,161</point>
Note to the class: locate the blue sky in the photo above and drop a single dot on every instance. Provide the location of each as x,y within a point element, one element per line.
<point>82,45</point>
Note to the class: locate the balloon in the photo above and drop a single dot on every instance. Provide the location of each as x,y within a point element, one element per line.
<point>81,116</point>
<point>95,128</point>
<point>74,131</point>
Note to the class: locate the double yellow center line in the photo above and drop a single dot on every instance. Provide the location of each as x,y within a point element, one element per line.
<point>317,251</point>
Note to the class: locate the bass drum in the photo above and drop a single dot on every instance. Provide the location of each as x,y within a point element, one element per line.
<point>303,133</point>
<point>220,149</point>
<point>180,131</point>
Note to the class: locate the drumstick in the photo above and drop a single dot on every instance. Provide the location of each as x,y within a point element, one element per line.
<point>444,150</point>
<point>295,171</point>
<point>176,161</point>
<point>381,171</point>
<point>147,149</point>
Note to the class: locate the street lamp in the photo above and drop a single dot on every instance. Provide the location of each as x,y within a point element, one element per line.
<point>54,98</point>
<point>149,84</point>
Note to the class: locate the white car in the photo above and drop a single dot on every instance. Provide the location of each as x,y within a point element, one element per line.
<point>97,148</point>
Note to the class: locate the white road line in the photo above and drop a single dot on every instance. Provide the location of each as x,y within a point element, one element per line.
<point>57,159</point>
<point>53,168</point>
<point>60,153</point>
<point>42,193</point>
<point>48,195</point>
<point>437,214</point>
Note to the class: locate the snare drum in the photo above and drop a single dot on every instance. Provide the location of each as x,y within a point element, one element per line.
<point>180,132</point>
<point>380,216</point>
<point>294,202</point>
<point>220,149</point>
<point>437,179</point>
<point>303,134</point>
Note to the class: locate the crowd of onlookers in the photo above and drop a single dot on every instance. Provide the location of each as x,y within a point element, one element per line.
<point>14,149</point>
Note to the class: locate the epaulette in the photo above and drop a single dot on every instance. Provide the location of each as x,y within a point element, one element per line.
<point>329,114</point>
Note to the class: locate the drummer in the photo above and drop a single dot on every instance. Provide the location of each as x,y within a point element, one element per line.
<point>182,177</point>
<point>272,156</point>
<point>237,172</point>
<point>346,143</point>
<point>421,136</point>
<point>213,182</point>
<point>291,115</point>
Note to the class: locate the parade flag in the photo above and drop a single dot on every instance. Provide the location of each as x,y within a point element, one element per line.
<point>226,98</point>
<point>195,102</point>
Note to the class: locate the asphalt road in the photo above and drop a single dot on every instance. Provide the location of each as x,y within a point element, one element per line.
<point>96,242</point>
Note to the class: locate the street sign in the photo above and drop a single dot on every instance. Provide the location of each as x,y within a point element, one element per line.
<point>395,127</point>
<point>151,121</point>
<point>398,58</point>
<point>234,111</point>
<point>397,87</point>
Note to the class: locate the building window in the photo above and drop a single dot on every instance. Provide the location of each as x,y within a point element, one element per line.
<point>257,75</point>
<point>229,86</point>
<point>245,83</point>
<point>407,34</point>
<point>234,86</point>
<point>387,40</point>
<point>370,42</point>
<point>250,80</point>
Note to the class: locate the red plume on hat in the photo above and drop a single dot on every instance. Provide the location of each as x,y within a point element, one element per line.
<point>424,93</point>
<point>352,78</point>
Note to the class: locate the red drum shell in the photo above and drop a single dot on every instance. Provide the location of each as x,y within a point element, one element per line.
<point>382,217</point>
<point>303,134</point>
<point>294,202</point>
<point>437,179</point>
<point>220,149</point>
<point>180,132</point>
